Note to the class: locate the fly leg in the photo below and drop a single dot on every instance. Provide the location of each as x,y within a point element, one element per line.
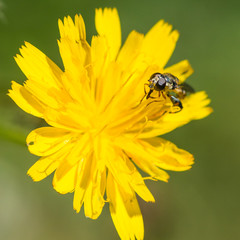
<point>145,94</point>
<point>176,103</point>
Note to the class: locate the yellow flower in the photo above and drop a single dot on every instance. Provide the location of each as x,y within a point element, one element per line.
<point>99,134</point>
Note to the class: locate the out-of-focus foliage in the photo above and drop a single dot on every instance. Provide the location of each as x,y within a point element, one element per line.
<point>200,203</point>
<point>2,17</point>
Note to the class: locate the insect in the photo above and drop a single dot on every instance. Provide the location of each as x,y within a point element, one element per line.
<point>167,85</point>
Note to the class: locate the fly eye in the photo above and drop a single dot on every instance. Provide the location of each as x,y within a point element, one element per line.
<point>160,84</point>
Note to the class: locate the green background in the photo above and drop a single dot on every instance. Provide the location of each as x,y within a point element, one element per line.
<point>202,203</point>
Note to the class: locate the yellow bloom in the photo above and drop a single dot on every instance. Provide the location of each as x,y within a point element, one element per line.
<point>99,133</point>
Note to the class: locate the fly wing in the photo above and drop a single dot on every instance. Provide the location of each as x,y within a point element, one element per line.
<point>187,88</point>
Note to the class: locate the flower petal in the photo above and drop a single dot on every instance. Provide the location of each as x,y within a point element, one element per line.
<point>108,25</point>
<point>136,181</point>
<point>181,70</point>
<point>25,100</point>
<point>82,182</point>
<point>99,55</point>
<point>47,140</point>
<point>94,197</point>
<point>169,156</point>
<point>72,119</point>
<point>36,65</point>
<point>73,31</point>
<point>93,200</point>
<point>194,107</point>
<point>115,165</point>
<point>46,165</point>
<point>159,43</point>
<point>125,173</point>
<point>64,180</point>
<point>76,82</point>
<point>74,50</point>
<point>130,56</point>
<point>66,176</point>
<point>159,152</point>
<point>45,77</point>
<point>147,162</point>
<point>50,97</point>
<point>42,168</point>
<point>125,211</point>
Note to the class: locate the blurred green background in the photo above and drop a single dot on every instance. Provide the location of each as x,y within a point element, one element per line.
<point>202,203</point>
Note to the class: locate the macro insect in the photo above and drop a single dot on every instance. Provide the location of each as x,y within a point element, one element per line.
<point>167,85</point>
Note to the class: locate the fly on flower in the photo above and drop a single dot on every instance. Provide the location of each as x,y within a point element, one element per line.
<point>167,85</point>
<point>96,139</point>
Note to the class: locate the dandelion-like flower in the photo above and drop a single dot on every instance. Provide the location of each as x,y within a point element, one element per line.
<point>99,134</point>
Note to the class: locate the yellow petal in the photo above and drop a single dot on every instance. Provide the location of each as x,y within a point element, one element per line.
<point>167,155</point>
<point>107,88</point>
<point>79,22</point>
<point>194,107</point>
<point>94,196</point>
<point>73,31</point>
<point>79,191</point>
<point>44,77</point>
<point>75,52</point>
<point>125,212</point>
<point>65,120</point>
<point>108,25</point>
<point>77,83</point>
<point>65,182</point>
<point>115,165</point>
<point>82,182</point>
<point>161,153</point>
<point>125,173</point>
<point>83,174</point>
<point>73,55</point>
<point>36,65</point>
<point>100,65</point>
<point>136,181</point>
<point>181,70</point>
<point>130,56</point>
<point>159,43</point>
<point>43,167</point>
<point>93,200</point>
<point>47,96</point>
<point>66,176</point>
<point>139,155</point>
<point>25,100</point>
<point>46,165</point>
<point>99,55</point>
<point>47,140</point>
